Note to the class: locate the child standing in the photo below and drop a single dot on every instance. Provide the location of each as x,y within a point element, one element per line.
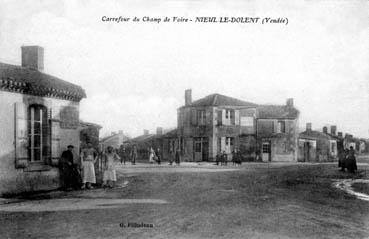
<point>110,176</point>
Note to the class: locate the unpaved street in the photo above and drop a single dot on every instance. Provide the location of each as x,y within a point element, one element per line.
<point>279,200</point>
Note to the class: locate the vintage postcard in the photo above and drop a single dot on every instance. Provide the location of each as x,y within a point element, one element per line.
<point>184,119</point>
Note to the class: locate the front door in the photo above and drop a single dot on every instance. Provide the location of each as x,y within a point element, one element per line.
<point>266,152</point>
<point>201,149</point>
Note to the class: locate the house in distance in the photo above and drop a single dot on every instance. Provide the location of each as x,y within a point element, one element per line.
<point>218,123</point>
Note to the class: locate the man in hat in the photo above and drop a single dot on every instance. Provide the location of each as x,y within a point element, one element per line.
<point>67,168</point>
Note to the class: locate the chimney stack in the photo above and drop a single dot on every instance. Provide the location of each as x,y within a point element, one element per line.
<point>308,127</point>
<point>325,129</point>
<point>289,102</point>
<point>340,134</point>
<point>188,97</point>
<point>33,57</point>
<point>159,130</point>
<point>146,132</point>
<point>120,132</point>
<point>333,129</point>
<point>113,133</point>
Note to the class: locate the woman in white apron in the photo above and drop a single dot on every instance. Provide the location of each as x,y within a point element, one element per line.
<point>88,159</point>
<point>151,155</point>
<point>109,176</point>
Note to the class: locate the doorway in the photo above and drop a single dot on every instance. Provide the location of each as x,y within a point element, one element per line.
<point>266,152</point>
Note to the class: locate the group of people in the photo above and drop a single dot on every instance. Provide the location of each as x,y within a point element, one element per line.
<point>222,158</point>
<point>155,156</point>
<point>81,174</point>
<point>347,160</point>
<point>125,155</point>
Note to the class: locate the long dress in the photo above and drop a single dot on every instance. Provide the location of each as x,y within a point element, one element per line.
<point>109,172</point>
<point>151,156</point>
<point>88,156</point>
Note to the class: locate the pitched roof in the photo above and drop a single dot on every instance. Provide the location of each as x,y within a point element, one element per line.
<point>28,81</point>
<point>125,137</point>
<point>312,134</point>
<point>221,100</point>
<point>277,112</point>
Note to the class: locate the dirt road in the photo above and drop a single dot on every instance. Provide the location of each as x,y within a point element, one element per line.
<point>197,201</point>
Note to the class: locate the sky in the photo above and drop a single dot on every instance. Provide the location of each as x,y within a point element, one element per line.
<point>135,73</point>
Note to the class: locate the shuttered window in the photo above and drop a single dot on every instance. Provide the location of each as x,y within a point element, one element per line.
<point>38,134</point>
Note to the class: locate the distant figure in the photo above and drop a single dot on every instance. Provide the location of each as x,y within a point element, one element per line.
<point>236,157</point>
<point>351,161</point>
<point>224,158</point>
<point>178,157</point>
<point>69,177</point>
<point>218,158</point>
<point>88,159</point>
<point>342,159</point>
<point>171,156</point>
<point>158,155</point>
<point>122,154</point>
<point>151,155</point>
<point>109,177</point>
<point>133,154</point>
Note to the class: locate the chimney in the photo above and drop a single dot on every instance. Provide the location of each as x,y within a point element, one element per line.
<point>159,130</point>
<point>333,129</point>
<point>289,102</point>
<point>188,97</point>
<point>113,133</point>
<point>146,132</point>
<point>340,134</point>
<point>325,130</point>
<point>33,57</point>
<point>308,127</point>
<point>120,132</point>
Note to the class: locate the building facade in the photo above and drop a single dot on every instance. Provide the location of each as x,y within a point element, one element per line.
<point>115,140</point>
<point>39,118</point>
<point>315,146</point>
<point>218,123</point>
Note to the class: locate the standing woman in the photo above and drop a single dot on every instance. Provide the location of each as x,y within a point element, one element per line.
<point>133,154</point>
<point>109,176</point>
<point>151,155</point>
<point>178,157</point>
<point>88,159</point>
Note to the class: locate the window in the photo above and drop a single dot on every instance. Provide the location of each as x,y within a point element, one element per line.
<point>281,127</point>
<point>201,117</point>
<point>37,132</point>
<point>229,117</point>
<point>247,121</point>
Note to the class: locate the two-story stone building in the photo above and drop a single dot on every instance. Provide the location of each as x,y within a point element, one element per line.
<point>39,117</point>
<point>218,123</point>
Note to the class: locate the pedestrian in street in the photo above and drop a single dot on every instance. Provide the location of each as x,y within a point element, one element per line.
<point>236,157</point>
<point>178,157</point>
<point>171,156</point>
<point>151,155</point>
<point>67,168</point>
<point>218,158</point>
<point>109,176</point>
<point>88,159</point>
<point>224,158</point>
<point>122,154</point>
<point>341,159</point>
<point>158,155</point>
<point>133,154</point>
<point>351,161</point>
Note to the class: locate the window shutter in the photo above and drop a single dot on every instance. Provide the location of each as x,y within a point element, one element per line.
<point>21,135</point>
<point>47,142</point>
<point>219,117</point>
<point>193,117</point>
<point>55,143</point>
<point>237,117</point>
<point>223,144</point>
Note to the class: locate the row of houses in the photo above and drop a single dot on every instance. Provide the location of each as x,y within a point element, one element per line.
<point>217,123</point>
<point>40,117</point>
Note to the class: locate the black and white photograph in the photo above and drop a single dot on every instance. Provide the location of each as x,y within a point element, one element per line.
<point>184,119</point>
